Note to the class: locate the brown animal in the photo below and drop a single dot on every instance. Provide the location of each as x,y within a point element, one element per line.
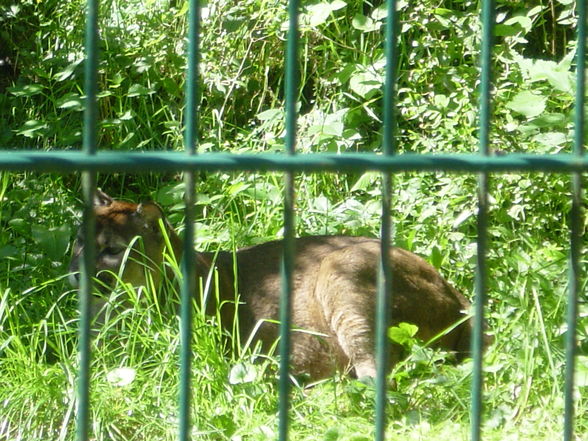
<point>334,294</point>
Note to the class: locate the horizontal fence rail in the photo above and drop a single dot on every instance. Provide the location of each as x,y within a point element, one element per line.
<point>141,162</point>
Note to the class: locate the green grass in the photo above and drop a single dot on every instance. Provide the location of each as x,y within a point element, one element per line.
<point>235,397</point>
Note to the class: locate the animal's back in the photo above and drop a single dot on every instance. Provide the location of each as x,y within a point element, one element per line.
<point>334,296</point>
<point>259,278</point>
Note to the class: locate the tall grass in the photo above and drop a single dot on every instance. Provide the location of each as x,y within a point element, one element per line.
<point>235,394</point>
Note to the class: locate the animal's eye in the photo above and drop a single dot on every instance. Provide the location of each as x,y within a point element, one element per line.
<point>114,250</point>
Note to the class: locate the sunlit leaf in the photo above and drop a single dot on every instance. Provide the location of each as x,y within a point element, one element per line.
<point>28,90</point>
<point>67,72</point>
<point>403,334</point>
<point>71,101</point>
<point>365,24</point>
<point>528,104</point>
<point>121,377</point>
<point>270,114</point>
<point>31,128</point>
<point>242,373</point>
<point>138,90</point>
<point>365,83</point>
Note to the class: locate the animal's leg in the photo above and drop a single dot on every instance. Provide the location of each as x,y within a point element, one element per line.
<point>346,292</point>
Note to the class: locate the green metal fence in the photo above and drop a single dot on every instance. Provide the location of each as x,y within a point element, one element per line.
<point>90,161</point>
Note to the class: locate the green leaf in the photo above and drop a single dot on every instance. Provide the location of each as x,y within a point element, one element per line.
<point>381,12</point>
<point>338,4</point>
<point>561,80</point>
<point>558,75</point>
<point>53,242</point>
<point>365,24</point>
<point>127,116</point>
<point>366,182</point>
<point>31,128</point>
<point>345,74</point>
<point>436,257</point>
<point>332,125</point>
<point>19,225</point>
<point>550,120</point>
<point>582,371</point>
<point>182,11</point>
<point>365,83</point>
<point>524,22</point>
<point>502,30</point>
<point>26,91</point>
<point>242,373</point>
<point>138,90</point>
<point>318,14</point>
<point>8,251</point>
<point>71,101</point>
<point>121,377</point>
<point>462,217</point>
<point>551,139</point>
<point>443,11</point>
<point>528,104</point>
<point>332,434</point>
<point>441,101</point>
<point>270,114</point>
<point>403,334</point>
<point>237,188</point>
<point>517,212</point>
<point>68,71</point>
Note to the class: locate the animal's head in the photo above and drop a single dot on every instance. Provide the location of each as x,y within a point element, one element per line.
<point>130,242</point>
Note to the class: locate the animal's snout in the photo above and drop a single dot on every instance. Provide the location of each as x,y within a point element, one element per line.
<point>74,278</point>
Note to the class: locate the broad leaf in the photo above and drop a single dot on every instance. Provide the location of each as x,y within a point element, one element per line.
<point>528,104</point>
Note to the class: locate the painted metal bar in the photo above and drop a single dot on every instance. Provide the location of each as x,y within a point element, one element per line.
<point>143,162</point>
<point>479,304</point>
<point>188,262</point>
<point>89,221</point>
<point>383,308</point>
<point>188,288</point>
<point>291,76</point>
<point>385,276</point>
<point>488,19</point>
<point>287,271</point>
<point>89,140</point>
<point>291,98</point>
<point>87,272</point>
<point>192,76</point>
<point>576,226</point>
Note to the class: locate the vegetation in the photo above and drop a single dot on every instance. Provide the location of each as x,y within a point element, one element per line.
<point>134,368</point>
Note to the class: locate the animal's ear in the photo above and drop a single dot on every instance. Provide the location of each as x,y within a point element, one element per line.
<point>101,199</point>
<point>150,212</point>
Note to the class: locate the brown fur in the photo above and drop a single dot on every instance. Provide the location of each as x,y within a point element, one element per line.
<point>334,291</point>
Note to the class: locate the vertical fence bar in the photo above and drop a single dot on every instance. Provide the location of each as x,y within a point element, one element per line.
<point>291,95</point>
<point>488,17</point>
<point>188,287</point>
<point>87,271</point>
<point>89,222</point>
<point>576,225</point>
<point>385,275</point>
